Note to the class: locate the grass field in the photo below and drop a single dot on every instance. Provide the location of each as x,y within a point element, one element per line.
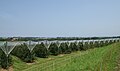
<point>99,59</point>
<point>103,58</point>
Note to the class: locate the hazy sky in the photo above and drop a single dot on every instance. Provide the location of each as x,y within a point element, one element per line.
<point>52,18</point>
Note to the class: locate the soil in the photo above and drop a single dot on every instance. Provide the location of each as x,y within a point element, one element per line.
<point>61,55</point>
<point>50,58</point>
<point>9,69</point>
<point>30,63</point>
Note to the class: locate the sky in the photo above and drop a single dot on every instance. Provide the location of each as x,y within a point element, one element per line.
<point>59,18</point>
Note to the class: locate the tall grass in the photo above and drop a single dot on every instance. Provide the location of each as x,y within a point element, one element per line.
<point>100,59</point>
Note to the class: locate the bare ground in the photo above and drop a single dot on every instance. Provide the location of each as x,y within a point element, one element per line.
<point>31,63</point>
<point>9,69</point>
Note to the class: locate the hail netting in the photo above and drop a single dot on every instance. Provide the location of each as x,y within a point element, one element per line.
<point>47,44</point>
<point>31,45</point>
<point>68,43</point>
<point>58,44</point>
<point>7,47</point>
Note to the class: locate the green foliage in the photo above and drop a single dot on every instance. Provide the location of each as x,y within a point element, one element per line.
<point>92,60</point>
<point>106,42</point>
<point>81,61</point>
<point>41,51</point>
<point>53,49</point>
<point>80,46</point>
<point>102,43</point>
<point>114,41</point>
<point>85,46</point>
<point>96,44</point>
<point>118,40</point>
<point>64,49</point>
<point>68,49</point>
<point>74,47</point>
<point>91,45</point>
<point>5,61</point>
<point>110,42</point>
<point>23,53</point>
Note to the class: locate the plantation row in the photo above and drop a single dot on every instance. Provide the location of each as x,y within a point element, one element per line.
<point>44,50</point>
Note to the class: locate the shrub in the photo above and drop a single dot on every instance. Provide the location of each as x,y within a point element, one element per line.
<point>85,46</point>
<point>5,61</point>
<point>64,49</point>
<point>74,47</point>
<point>114,41</point>
<point>102,43</point>
<point>106,42</point>
<point>53,49</point>
<point>110,42</point>
<point>96,44</point>
<point>41,51</point>
<point>91,45</point>
<point>80,46</point>
<point>68,49</point>
<point>23,53</point>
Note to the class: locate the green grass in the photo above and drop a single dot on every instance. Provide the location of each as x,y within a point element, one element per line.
<point>90,60</point>
<point>21,66</point>
<point>100,59</point>
<point>109,59</point>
